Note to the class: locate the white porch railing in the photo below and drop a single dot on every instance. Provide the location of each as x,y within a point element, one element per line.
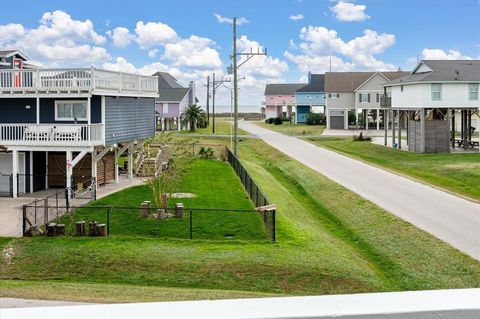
<point>74,80</point>
<point>51,134</point>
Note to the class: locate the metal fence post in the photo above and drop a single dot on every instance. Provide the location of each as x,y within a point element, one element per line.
<point>45,210</point>
<point>56,202</point>
<point>35,211</point>
<point>273,225</point>
<point>11,185</point>
<point>108,221</point>
<point>191,232</point>
<point>24,224</point>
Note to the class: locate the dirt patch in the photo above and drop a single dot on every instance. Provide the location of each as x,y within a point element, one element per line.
<point>182,195</point>
<point>8,253</point>
<point>465,165</point>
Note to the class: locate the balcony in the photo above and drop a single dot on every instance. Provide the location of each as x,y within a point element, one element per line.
<point>385,101</point>
<point>56,81</point>
<point>64,135</point>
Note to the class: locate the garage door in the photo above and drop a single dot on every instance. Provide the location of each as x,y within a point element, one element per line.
<point>337,122</point>
<point>6,169</point>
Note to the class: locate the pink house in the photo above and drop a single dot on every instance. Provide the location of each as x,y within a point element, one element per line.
<point>280,99</point>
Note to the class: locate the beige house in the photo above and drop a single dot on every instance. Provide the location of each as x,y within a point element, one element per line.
<point>357,92</point>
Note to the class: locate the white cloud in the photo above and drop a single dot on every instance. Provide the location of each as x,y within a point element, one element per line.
<point>346,11</point>
<point>153,34</point>
<point>58,37</point>
<point>121,37</point>
<point>296,17</point>
<point>319,43</point>
<point>152,53</point>
<point>439,54</point>
<point>11,31</point>
<point>222,19</point>
<point>194,52</point>
<point>260,66</point>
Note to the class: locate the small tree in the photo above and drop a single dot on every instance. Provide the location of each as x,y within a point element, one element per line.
<point>194,115</point>
<point>179,157</point>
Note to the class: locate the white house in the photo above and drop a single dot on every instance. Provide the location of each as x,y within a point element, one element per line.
<point>431,97</point>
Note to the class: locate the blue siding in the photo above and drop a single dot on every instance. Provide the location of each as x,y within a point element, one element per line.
<point>14,111</point>
<point>128,119</point>
<point>314,98</point>
<point>302,111</point>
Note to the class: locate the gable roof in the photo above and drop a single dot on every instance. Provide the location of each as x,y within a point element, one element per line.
<point>317,84</point>
<point>172,94</point>
<point>167,81</point>
<point>443,70</point>
<point>169,89</point>
<point>282,88</point>
<point>348,82</point>
<point>9,53</point>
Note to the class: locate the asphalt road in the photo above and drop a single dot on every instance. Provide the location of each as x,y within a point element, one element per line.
<point>448,217</point>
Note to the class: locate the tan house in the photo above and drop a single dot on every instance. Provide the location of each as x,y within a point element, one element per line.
<point>357,92</point>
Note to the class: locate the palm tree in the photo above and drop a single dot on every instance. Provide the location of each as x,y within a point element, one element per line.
<point>193,114</point>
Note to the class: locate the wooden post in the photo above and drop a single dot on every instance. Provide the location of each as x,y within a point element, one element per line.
<point>393,128</point>
<point>80,229</point>
<point>179,210</point>
<point>422,130</point>
<point>453,129</point>
<point>448,129</point>
<point>385,125</point>
<point>400,129</point>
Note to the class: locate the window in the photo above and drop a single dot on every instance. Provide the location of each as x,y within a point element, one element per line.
<point>473,92</point>
<point>364,97</point>
<point>334,95</point>
<point>436,92</point>
<point>401,88</point>
<point>165,108</point>
<point>70,110</point>
<point>378,97</point>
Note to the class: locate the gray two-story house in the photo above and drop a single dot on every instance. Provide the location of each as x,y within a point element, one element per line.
<point>61,126</point>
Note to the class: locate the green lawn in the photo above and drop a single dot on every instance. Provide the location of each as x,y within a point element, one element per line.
<point>459,173</point>
<point>222,127</point>
<point>294,129</point>
<point>214,185</point>
<point>329,241</point>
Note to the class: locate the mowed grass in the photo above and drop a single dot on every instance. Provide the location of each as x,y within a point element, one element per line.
<point>329,241</point>
<point>457,172</point>
<point>222,127</point>
<point>216,190</point>
<point>294,129</point>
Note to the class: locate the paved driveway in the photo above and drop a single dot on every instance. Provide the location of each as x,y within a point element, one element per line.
<point>448,217</point>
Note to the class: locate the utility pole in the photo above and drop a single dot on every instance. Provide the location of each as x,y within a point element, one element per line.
<point>248,55</point>
<point>213,105</point>
<point>208,100</point>
<point>235,90</point>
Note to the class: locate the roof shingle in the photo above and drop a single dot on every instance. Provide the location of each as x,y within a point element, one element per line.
<point>282,88</point>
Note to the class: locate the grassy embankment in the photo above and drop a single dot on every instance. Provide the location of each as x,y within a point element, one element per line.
<point>329,240</point>
<point>458,173</point>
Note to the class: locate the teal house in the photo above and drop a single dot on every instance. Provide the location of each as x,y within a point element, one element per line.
<point>310,98</point>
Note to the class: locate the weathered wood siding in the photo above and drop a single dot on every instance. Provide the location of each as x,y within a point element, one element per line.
<point>82,171</point>
<point>128,119</point>
<point>436,136</point>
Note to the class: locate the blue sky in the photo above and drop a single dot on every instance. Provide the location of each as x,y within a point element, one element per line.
<point>188,40</point>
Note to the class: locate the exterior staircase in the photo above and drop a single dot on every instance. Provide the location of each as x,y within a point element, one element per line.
<point>152,161</point>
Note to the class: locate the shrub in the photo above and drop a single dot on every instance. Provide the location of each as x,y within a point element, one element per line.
<point>278,121</point>
<point>269,120</point>
<point>361,138</point>
<point>316,119</point>
<point>206,153</point>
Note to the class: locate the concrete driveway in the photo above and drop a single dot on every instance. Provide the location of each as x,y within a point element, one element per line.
<point>448,217</point>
